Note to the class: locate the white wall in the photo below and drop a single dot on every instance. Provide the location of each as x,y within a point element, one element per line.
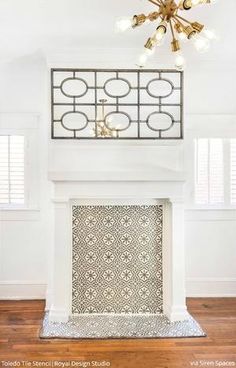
<point>26,236</point>
<point>210,234</point>
<point>210,253</point>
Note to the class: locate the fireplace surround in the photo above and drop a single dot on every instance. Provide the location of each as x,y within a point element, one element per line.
<point>79,200</point>
<point>112,188</point>
<point>89,298</point>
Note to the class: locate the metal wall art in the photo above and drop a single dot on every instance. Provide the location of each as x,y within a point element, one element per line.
<point>116,104</point>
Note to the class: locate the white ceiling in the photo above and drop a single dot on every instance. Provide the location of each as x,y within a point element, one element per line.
<point>27,26</point>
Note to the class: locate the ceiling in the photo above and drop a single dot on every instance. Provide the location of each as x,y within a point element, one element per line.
<point>27,26</point>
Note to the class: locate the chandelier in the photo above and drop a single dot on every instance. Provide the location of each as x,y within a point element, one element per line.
<point>103,128</point>
<point>168,17</point>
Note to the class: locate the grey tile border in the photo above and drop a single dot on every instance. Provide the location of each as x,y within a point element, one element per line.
<point>120,327</point>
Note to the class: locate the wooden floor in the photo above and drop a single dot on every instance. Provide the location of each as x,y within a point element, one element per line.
<point>20,323</point>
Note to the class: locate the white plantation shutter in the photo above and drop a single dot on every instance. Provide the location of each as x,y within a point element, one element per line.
<point>233,170</point>
<point>12,169</point>
<point>209,176</point>
<point>201,167</point>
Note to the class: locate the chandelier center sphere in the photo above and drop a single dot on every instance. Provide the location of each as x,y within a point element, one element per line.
<point>168,9</point>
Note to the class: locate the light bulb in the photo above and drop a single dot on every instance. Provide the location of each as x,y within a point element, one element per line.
<point>201,44</point>
<point>179,61</point>
<point>160,39</point>
<point>159,34</point>
<point>124,23</point>
<point>142,60</point>
<point>182,36</point>
<point>196,2</point>
<point>144,56</point>
<point>202,2</point>
<point>149,52</point>
<point>210,34</point>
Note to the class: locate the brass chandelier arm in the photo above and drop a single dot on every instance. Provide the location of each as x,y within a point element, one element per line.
<point>175,45</point>
<point>153,16</point>
<point>155,2</point>
<point>198,27</point>
<point>172,30</point>
<point>185,20</point>
<point>178,21</point>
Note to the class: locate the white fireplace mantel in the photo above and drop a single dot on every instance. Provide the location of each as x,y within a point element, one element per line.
<point>127,186</point>
<point>162,174</point>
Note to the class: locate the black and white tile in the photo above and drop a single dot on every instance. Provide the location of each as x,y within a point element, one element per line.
<point>117,327</point>
<point>117,259</point>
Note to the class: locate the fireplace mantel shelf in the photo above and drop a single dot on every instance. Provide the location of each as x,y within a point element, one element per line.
<point>157,175</point>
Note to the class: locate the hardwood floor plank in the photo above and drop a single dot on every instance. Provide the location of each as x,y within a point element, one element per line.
<point>20,323</point>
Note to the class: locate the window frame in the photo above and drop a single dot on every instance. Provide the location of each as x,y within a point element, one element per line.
<point>190,202</point>
<point>209,178</point>
<point>25,124</point>
<point>26,189</point>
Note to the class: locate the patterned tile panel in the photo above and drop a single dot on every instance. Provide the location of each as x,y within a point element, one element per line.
<point>117,259</point>
<point>117,327</point>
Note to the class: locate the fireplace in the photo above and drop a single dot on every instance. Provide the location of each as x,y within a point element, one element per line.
<point>118,256</point>
<point>87,191</point>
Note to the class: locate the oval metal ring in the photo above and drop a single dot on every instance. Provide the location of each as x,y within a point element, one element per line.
<point>117,112</point>
<point>160,80</point>
<point>117,79</point>
<point>160,113</point>
<point>74,112</point>
<point>73,79</point>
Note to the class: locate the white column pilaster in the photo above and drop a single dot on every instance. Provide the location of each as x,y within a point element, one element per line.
<point>61,298</point>
<point>174,262</point>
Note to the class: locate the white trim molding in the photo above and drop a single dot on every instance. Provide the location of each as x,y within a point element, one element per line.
<point>19,214</point>
<point>203,215</point>
<point>211,287</point>
<point>23,290</point>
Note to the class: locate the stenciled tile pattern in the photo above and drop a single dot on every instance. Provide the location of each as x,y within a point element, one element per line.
<point>117,327</point>
<point>117,259</point>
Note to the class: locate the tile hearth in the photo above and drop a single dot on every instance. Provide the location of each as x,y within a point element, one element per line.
<point>118,326</point>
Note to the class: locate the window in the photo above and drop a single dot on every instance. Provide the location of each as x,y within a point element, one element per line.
<point>12,187</point>
<point>215,172</point>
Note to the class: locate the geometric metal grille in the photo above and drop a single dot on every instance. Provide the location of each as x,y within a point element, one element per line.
<point>117,259</point>
<point>141,104</point>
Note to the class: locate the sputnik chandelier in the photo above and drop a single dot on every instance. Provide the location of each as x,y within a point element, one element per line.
<point>168,16</point>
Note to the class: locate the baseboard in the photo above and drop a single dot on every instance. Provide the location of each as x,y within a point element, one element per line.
<point>211,287</point>
<point>13,290</point>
